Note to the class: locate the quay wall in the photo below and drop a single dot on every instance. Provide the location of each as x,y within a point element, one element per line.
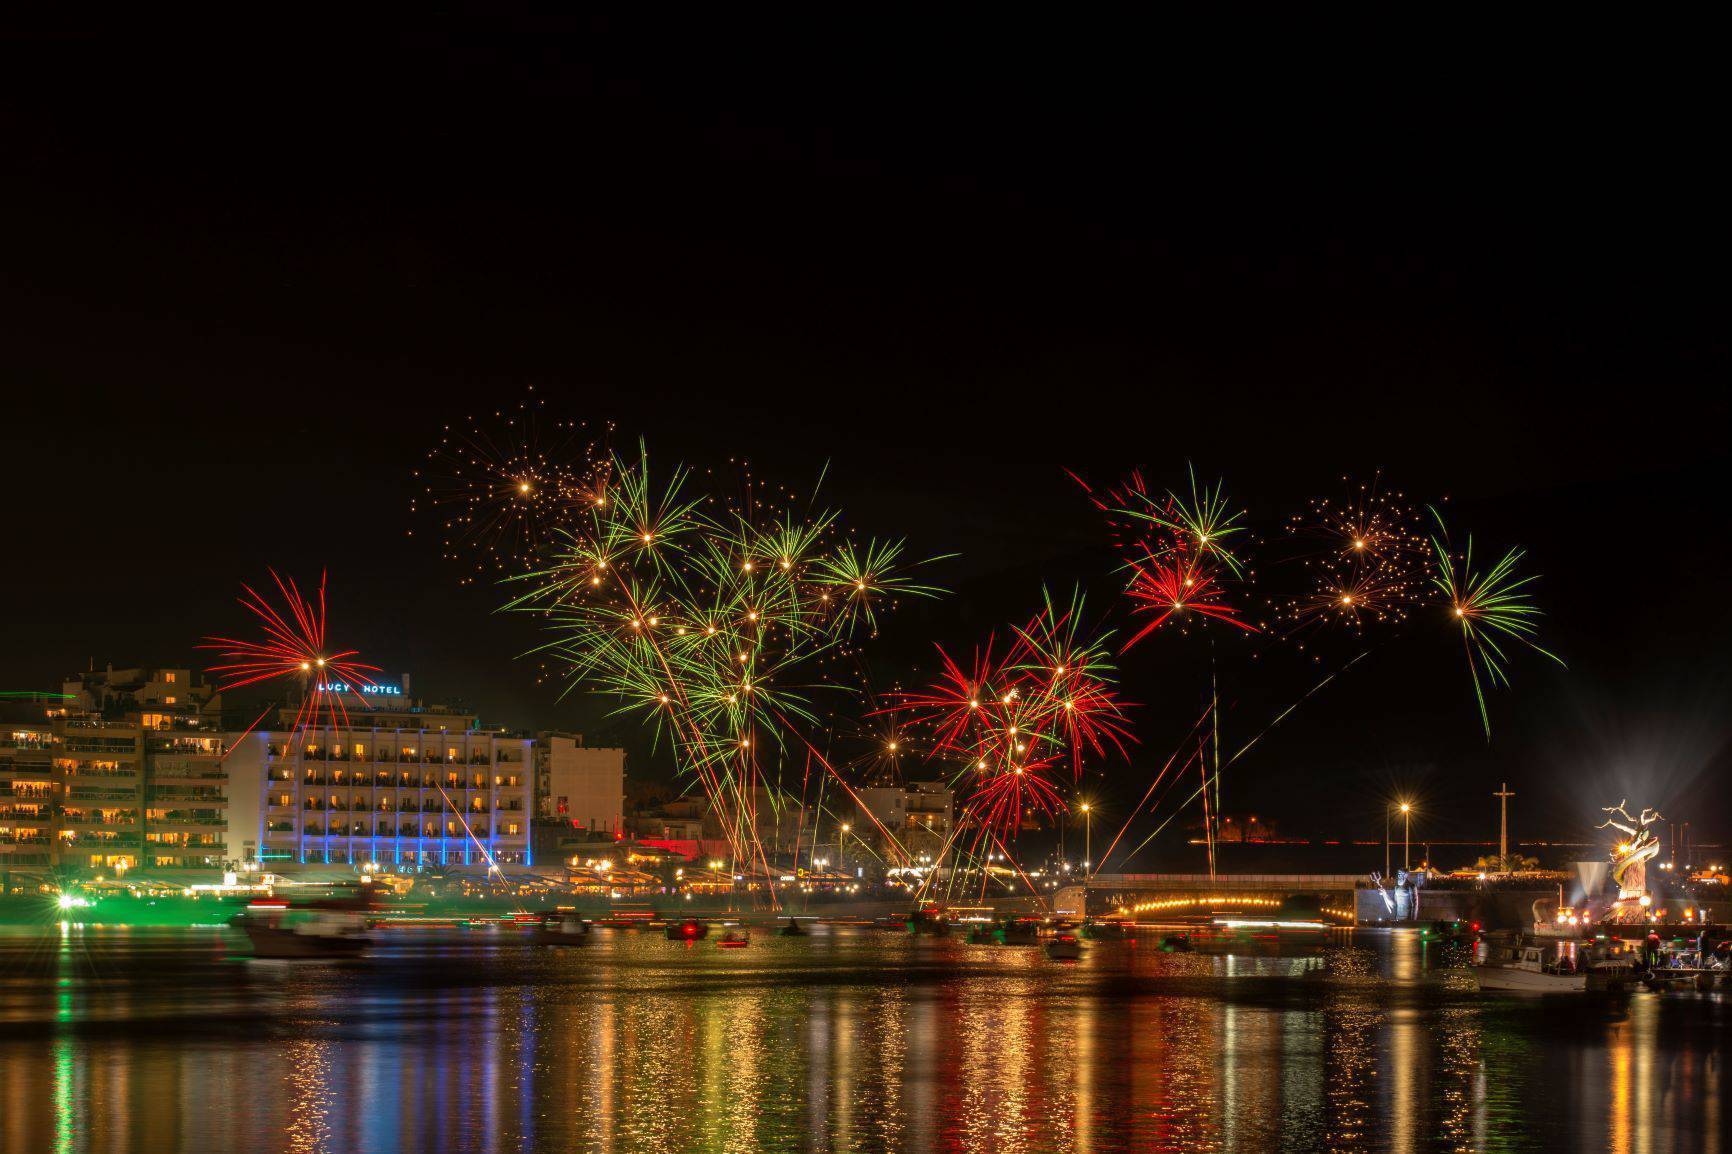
<point>1493,909</point>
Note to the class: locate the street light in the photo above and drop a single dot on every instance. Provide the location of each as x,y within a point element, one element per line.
<point>1406,817</point>
<point>841,857</point>
<point>1088,836</point>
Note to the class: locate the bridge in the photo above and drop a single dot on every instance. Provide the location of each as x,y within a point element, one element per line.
<point>1184,896</point>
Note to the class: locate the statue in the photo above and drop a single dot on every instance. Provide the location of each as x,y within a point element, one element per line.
<point>1630,859</point>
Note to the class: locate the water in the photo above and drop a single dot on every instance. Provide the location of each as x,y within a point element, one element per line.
<point>163,1041</point>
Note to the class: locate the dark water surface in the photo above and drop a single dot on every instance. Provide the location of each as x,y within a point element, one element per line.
<point>164,1041</point>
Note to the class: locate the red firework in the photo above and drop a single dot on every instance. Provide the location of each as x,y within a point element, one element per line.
<point>1013,793</point>
<point>1013,720</point>
<point>965,703</point>
<point>1089,715</point>
<point>292,649</point>
<point>1170,591</point>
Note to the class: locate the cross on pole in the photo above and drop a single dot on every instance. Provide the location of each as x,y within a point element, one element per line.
<point>1503,795</point>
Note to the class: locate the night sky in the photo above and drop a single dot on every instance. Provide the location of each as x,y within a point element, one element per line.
<point>242,293</point>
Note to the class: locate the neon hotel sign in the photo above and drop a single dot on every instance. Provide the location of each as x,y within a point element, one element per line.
<point>370,690</point>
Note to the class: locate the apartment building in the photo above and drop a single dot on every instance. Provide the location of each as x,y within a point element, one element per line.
<point>578,785</point>
<point>918,815</point>
<point>120,770</point>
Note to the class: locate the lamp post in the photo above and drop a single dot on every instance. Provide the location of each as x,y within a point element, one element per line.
<point>1406,817</point>
<point>1386,812</point>
<point>1088,836</point>
<point>841,856</point>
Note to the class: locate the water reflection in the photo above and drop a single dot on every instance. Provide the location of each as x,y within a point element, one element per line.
<point>142,1041</point>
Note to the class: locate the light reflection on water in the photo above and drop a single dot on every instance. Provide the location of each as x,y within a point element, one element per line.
<point>116,1040</point>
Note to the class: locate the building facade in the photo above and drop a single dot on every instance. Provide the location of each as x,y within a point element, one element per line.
<point>577,785</point>
<point>404,785</point>
<point>126,769</point>
<point>918,815</point>
<point>121,770</point>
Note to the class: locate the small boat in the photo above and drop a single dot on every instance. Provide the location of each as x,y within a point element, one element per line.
<point>1103,931</point>
<point>569,930</point>
<point>1176,943</point>
<point>1524,969</point>
<point>1017,932</point>
<point>982,934</point>
<point>926,921</point>
<point>321,936</point>
<point>1064,948</point>
<point>791,929</point>
<point>734,940</point>
<point>1453,929</point>
<point>689,930</point>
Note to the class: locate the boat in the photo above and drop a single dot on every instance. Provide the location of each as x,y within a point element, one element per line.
<point>567,930</point>
<point>689,930</point>
<point>926,920</point>
<point>1064,948</point>
<point>1103,931</point>
<point>1017,932</point>
<point>734,940</point>
<point>791,929</point>
<point>1699,967</point>
<point>1176,943</point>
<point>319,936</point>
<point>1524,968</point>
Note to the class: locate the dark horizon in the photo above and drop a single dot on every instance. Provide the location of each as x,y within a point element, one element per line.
<point>235,325</point>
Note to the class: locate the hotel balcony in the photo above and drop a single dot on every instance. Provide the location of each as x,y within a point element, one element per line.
<point>169,799</point>
<point>189,774</point>
<point>84,826</point>
<point>97,843</point>
<point>186,823</point>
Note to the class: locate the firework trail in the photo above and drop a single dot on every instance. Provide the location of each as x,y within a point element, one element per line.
<point>292,648</point>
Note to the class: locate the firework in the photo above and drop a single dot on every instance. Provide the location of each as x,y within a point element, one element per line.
<point>1494,609</point>
<point>711,617</point>
<point>1177,550</point>
<point>1010,718</point>
<point>292,649</point>
<point>1367,561</point>
<point>1168,592</point>
<point>501,486</point>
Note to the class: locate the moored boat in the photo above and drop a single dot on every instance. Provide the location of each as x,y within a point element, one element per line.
<point>1524,968</point>
<point>1103,931</point>
<point>926,920</point>
<point>688,930</point>
<point>1064,948</point>
<point>568,930</point>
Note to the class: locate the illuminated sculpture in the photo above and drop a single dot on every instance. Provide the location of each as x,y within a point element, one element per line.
<point>1630,861</point>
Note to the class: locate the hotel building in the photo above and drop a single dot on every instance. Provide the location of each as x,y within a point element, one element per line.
<point>124,770</point>
<point>404,784</point>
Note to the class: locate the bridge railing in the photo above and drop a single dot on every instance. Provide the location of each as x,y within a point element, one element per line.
<point>1225,882</point>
